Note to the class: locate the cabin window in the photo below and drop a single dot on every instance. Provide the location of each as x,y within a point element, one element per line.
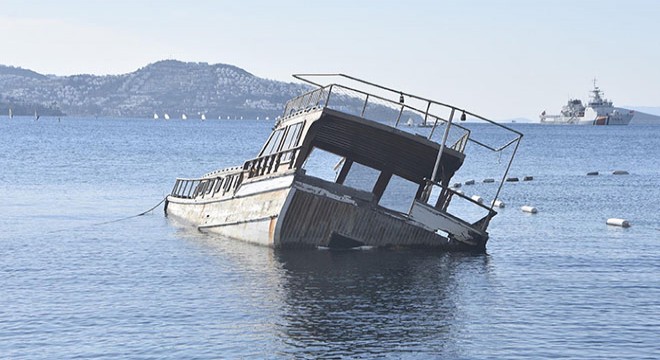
<point>273,143</point>
<point>292,136</point>
<point>291,139</point>
<point>323,164</point>
<point>399,194</point>
<point>362,177</point>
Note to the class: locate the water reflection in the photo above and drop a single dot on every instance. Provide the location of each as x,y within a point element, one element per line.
<point>354,303</point>
<point>376,302</point>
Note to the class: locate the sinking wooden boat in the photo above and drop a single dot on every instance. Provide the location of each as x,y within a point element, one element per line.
<point>291,195</point>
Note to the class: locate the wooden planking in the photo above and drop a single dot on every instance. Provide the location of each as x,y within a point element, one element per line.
<point>310,219</point>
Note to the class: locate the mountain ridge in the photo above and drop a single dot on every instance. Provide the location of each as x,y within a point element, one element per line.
<point>166,86</point>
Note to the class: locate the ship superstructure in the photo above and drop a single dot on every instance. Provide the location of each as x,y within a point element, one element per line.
<point>598,111</point>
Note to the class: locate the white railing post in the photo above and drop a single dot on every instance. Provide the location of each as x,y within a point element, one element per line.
<point>442,146</point>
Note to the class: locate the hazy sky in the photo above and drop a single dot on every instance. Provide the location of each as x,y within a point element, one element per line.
<point>502,59</point>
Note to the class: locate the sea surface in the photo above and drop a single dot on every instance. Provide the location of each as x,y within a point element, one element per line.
<point>81,276</point>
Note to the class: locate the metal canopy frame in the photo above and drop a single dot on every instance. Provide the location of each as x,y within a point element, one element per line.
<point>401,95</point>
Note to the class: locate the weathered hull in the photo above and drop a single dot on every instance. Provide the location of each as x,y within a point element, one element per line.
<point>307,215</point>
<point>311,220</point>
<point>250,215</point>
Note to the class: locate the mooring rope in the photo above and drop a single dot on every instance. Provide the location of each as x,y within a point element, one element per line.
<point>130,217</point>
<point>113,221</point>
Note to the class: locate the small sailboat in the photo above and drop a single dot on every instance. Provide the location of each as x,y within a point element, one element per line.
<point>203,117</point>
<point>11,113</point>
<point>184,117</point>
<point>36,115</point>
<point>166,116</point>
<point>155,116</point>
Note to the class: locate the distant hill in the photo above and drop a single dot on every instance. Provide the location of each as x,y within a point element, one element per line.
<point>653,110</point>
<point>20,107</point>
<point>168,86</point>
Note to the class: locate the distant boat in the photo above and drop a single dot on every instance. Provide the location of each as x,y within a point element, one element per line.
<point>11,113</point>
<point>166,116</point>
<point>427,124</point>
<point>155,116</point>
<point>598,111</point>
<point>203,117</point>
<point>184,117</point>
<point>36,115</point>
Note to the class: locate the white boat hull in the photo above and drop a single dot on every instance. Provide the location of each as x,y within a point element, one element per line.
<point>250,215</point>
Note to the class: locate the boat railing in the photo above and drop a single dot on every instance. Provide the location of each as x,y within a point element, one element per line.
<point>392,107</point>
<point>364,104</point>
<point>314,99</point>
<point>271,163</point>
<point>468,207</point>
<point>223,181</point>
<point>201,188</point>
<point>460,144</point>
<point>223,171</point>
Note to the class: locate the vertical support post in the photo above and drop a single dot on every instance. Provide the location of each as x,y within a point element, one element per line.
<point>426,114</point>
<point>186,191</point>
<point>435,124</point>
<point>506,172</point>
<point>364,107</point>
<point>183,188</point>
<point>380,185</point>
<point>399,117</point>
<point>174,189</point>
<point>327,100</point>
<point>344,171</point>
<point>442,146</point>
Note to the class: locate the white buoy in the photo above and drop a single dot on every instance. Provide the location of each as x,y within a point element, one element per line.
<point>618,222</point>
<point>529,209</point>
<point>469,182</point>
<point>489,180</point>
<point>478,199</point>
<point>498,203</point>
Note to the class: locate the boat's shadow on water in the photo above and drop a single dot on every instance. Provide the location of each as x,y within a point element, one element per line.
<point>362,302</point>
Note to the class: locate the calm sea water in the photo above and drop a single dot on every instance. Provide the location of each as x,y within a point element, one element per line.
<point>76,283</point>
